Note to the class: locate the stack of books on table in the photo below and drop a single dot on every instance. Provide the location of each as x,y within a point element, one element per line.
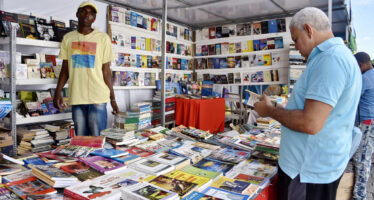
<point>265,122</point>
<point>53,176</point>
<point>145,114</point>
<point>169,107</point>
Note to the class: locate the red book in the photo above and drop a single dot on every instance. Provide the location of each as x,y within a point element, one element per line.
<point>140,152</point>
<point>50,59</point>
<point>212,32</point>
<point>88,141</point>
<point>30,186</point>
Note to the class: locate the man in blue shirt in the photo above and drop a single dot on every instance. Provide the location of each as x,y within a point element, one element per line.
<point>318,120</point>
<point>365,117</point>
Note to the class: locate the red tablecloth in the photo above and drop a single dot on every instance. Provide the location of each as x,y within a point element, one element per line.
<point>204,114</point>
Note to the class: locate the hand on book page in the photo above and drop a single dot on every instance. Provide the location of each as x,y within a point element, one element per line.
<point>264,106</point>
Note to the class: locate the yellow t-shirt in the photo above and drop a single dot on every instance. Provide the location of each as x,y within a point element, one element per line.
<point>86,54</point>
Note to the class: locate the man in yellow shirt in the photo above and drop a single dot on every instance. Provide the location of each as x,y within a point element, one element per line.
<point>87,54</point>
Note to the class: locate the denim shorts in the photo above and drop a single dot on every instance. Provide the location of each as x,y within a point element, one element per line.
<point>89,119</point>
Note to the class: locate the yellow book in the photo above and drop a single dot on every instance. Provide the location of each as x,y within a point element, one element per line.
<point>250,45</point>
<point>232,185</point>
<point>144,61</point>
<point>267,76</point>
<point>202,182</point>
<point>148,44</point>
<point>232,48</point>
<point>267,59</point>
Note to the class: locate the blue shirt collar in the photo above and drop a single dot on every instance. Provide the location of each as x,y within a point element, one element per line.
<point>325,46</point>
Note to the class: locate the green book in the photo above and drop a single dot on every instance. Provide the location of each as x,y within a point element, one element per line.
<point>201,172</point>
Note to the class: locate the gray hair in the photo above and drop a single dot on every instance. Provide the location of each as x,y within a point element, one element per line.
<point>312,16</point>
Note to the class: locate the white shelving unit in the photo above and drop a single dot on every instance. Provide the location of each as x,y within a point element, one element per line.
<point>244,53</point>
<point>231,70</point>
<point>173,71</point>
<point>133,87</point>
<point>120,49</point>
<point>47,81</point>
<point>135,69</point>
<point>44,118</point>
<point>241,38</point>
<point>32,42</point>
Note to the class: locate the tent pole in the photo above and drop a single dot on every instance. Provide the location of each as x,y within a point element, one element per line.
<point>330,11</point>
<point>163,61</point>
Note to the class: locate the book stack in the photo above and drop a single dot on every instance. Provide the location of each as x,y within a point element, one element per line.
<point>169,107</point>
<point>53,176</point>
<point>145,114</point>
<point>265,122</point>
<point>34,140</point>
<point>117,137</point>
<point>60,131</point>
<point>153,167</point>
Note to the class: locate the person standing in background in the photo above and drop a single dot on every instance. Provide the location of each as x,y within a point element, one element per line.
<point>87,55</point>
<point>364,119</point>
<point>317,122</point>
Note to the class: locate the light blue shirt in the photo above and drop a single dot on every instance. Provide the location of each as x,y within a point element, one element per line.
<point>333,77</point>
<point>367,96</point>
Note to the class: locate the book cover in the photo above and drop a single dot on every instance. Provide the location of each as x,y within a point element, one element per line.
<point>5,193</point>
<point>267,76</point>
<point>231,62</point>
<point>140,152</point>
<point>17,176</point>
<point>250,45</point>
<point>243,29</point>
<point>183,188</point>
<point>264,27</point>
<point>230,77</point>
<point>272,26</point>
<point>91,190</point>
<point>103,165</point>
<point>151,167</point>
<point>257,77</point>
<point>169,159</point>
<point>204,50</point>
<point>281,25</point>
<point>271,43</point>
<point>259,60</point>
<point>127,159</point>
<point>238,62</point>
<point>237,77</point>
<point>245,62</point>
<point>109,153</point>
<point>230,155</point>
<point>212,49</point>
<point>212,32</point>
<point>276,58</point>
<point>81,170</point>
<point>88,141</point>
<point>218,32</point>
<point>256,28</point>
<point>200,196</point>
<point>148,191</point>
<point>231,185</point>
<point>224,194</point>
<point>214,165</point>
<point>225,31</point>
<point>246,77</point>
<point>256,45</point>
<point>232,48</point>
<point>201,172</point>
<point>51,172</point>
<point>6,169</point>
<point>184,176</point>
<point>263,44</point>
<point>278,42</point>
<point>30,186</point>
<point>46,70</point>
<point>267,59</point>
<point>252,179</point>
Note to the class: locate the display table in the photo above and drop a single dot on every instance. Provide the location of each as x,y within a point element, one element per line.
<point>204,114</point>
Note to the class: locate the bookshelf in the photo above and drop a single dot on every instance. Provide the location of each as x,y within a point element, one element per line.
<point>44,118</point>
<point>31,42</point>
<point>133,87</point>
<point>297,66</point>
<point>244,53</point>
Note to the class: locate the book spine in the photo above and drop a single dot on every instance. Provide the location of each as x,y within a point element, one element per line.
<point>74,195</point>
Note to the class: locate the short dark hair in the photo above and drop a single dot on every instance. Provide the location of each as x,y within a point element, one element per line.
<point>362,57</point>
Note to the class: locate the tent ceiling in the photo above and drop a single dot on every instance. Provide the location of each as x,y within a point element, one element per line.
<point>205,13</point>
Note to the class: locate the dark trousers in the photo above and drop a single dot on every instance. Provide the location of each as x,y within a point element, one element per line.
<point>292,189</point>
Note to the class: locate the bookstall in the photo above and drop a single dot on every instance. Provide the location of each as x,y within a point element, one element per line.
<point>179,67</point>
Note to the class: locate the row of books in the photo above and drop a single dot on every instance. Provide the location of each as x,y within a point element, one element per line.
<point>240,47</point>
<point>239,61</point>
<point>37,103</point>
<point>255,28</point>
<point>130,78</point>
<point>169,107</point>
<point>129,17</point>
<point>32,27</point>
<point>241,77</point>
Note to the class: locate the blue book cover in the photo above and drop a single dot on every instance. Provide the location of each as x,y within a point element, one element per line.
<point>230,155</point>
<point>278,42</point>
<point>184,63</point>
<point>214,165</point>
<point>207,88</point>
<point>256,45</point>
<point>263,44</point>
<point>216,63</point>
<point>109,153</point>
<point>133,19</point>
<point>133,42</point>
<point>126,158</point>
<point>138,61</point>
<point>224,194</point>
<point>198,196</point>
<point>272,26</point>
<point>223,63</point>
<point>35,161</point>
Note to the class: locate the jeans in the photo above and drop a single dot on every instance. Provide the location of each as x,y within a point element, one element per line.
<point>362,161</point>
<point>89,119</point>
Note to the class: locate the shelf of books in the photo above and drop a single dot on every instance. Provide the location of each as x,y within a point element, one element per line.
<point>247,69</point>
<point>133,87</point>
<point>135,69</point>
<point>32,42</point>
<point>44,118</point>
<point>297,65</point>
<point>243,53</point>
<point>47,81</point>
<point>174,71</point>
